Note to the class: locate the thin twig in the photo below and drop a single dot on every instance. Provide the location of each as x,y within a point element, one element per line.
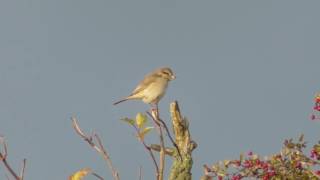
<point>23,169</point>
<point>168,133</point>
<point>97,176</point>
<point>100,149</point>
<point>14,174</point>
<point>5,149</point>
<point>155,117</point>
<point>3,158</point>
<point>150,153</point>
<point>162,154</point>
<point>106,156</point>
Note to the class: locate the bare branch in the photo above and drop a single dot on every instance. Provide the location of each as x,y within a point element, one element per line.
<point>155,117</point>
<point>3,158</point>
<point>100,149</point>
<point>106,156</point>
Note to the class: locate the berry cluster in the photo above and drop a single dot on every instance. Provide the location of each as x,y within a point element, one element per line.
<point>291,162</point>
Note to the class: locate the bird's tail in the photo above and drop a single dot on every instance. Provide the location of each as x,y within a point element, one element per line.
<point>122,100</point>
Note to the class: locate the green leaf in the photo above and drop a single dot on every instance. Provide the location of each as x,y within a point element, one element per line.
<point>145,131</point>
<point>128,120</point>
<point>141,120</point>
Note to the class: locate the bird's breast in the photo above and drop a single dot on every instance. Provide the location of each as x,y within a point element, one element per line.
<point>155,91</point>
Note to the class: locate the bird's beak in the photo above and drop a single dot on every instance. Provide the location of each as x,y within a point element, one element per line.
<point>173,77</point>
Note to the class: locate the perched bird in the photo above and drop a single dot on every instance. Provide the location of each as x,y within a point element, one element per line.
<point>152,88</point>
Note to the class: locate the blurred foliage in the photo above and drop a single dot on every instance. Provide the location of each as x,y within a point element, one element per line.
<point>290,163</point>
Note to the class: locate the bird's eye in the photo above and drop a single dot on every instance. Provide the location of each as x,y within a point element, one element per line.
<point>164,72</point>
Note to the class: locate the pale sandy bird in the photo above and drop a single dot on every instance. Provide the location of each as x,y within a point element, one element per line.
<point>152,88</point>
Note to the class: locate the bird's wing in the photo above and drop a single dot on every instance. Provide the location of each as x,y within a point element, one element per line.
<point>144,83</point>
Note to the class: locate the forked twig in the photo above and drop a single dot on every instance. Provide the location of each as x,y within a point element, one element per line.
<point>167,131</point>
<point>3,158</point>
<point>99,148</point>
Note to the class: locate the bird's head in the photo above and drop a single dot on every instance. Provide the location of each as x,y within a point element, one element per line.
<point>166,73</point>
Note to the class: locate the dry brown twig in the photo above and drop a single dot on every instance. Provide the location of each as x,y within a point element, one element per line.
<point>98,147</point>
<point>3,158</point>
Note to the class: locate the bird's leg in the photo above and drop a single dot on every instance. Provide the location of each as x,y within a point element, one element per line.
<point>155,112</point>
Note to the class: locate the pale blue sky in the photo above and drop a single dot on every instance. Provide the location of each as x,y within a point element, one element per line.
<point>247,72</point>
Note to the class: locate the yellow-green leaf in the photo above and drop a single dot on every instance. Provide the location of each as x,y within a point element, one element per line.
<point>145,131</point>
<point>80,174</point>
<point>141,120</point>
<point>128,120</point>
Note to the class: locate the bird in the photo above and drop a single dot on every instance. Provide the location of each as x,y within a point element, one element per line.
<point>152,88</point>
